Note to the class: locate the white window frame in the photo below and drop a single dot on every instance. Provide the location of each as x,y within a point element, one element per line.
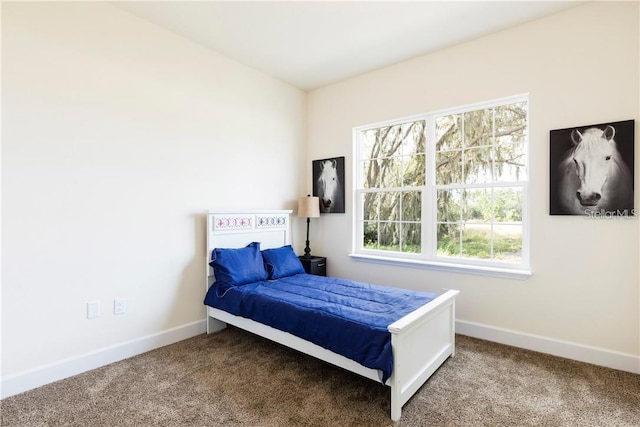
<point>428,258</point>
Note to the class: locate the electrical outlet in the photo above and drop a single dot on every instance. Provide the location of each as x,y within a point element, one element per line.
<point>93,309</point>
<point>119,306</point>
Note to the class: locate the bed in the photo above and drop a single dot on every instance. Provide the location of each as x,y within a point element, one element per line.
<point>420,340</point>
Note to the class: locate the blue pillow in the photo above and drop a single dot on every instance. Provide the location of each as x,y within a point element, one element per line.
<point>238,266</point>
<point>282,262</point>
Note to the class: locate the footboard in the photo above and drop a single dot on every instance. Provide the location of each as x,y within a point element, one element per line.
<point>421,341</point>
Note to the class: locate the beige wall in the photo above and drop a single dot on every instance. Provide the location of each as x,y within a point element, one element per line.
<point>579,67</point>
<point>117,136</point>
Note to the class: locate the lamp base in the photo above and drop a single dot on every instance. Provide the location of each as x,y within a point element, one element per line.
<point>307,249</point>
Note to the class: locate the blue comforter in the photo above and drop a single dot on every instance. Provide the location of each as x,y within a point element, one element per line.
<point>346,317</point>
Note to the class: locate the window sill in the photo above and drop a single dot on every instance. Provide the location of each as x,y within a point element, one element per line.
<point>506,273</point>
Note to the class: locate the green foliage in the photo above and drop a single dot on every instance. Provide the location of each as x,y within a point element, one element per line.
<point>476,243</point>
<point>409,248</point>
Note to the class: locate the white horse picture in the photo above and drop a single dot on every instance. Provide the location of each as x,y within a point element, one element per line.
<point>592,176</point>
<point>328,184</point>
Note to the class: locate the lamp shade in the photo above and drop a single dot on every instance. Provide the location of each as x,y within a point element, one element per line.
<point>309,207</point>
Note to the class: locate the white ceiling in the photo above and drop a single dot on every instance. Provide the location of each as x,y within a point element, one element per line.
<point>312,44</point>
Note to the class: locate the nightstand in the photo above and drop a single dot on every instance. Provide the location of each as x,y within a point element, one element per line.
<point>314,265</point>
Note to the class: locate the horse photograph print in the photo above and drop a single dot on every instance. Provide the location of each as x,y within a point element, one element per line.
<point>591,170</point>
<point>328,184</point>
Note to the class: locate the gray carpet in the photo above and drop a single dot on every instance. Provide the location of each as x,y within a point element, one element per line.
<point>233,378</point>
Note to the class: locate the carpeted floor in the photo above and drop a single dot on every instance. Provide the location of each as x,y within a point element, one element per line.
<point>233,378</point>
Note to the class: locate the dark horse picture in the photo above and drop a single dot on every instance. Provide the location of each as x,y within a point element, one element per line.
<point>328,184</point>
<point>591,170</point>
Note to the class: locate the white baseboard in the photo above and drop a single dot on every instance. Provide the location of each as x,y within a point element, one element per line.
<point>37,377</point>
<point>566,349</point>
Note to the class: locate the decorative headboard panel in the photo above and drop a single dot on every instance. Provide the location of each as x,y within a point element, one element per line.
<point>236,229</point>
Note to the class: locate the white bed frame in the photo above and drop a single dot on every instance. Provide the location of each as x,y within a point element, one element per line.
<point>421,341</point>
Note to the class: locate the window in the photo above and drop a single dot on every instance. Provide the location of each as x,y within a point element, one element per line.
<point>447,188</point>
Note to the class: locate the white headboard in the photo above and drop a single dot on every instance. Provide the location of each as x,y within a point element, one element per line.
<point>236,229</point>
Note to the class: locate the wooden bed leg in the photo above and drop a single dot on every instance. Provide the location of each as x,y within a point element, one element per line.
<point>396,409</point>
<point>396,395</point>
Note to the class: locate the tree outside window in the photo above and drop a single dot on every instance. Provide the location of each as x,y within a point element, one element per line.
<point>447,185</point>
